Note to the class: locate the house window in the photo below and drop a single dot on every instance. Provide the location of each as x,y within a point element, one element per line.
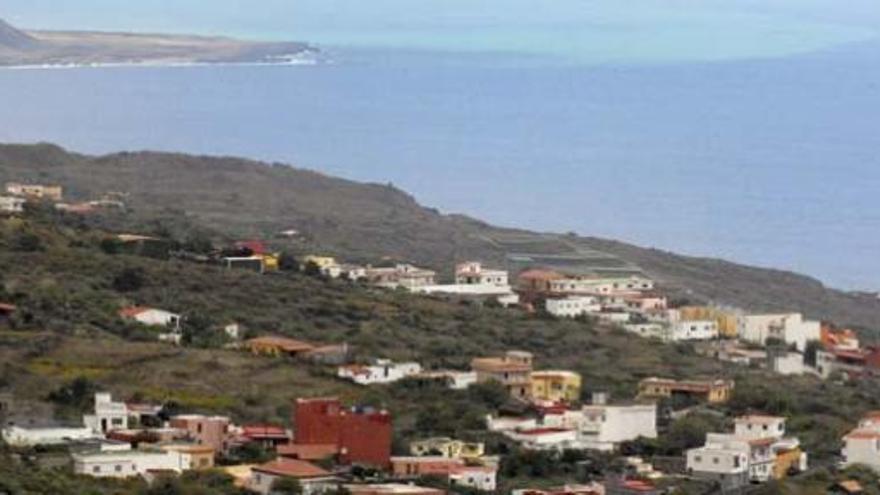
<point>118,468</point>
<point>698,459</point>
<point>96,469</point>
<point>714,460</point>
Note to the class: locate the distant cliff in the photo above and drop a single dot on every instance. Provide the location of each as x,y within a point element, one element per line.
<point>18,47</point>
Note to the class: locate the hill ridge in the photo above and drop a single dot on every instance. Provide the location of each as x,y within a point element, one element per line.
<point>371,222</point>
<point>13,38</point>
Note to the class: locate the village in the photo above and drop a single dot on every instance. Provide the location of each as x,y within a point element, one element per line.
<point>329,444</point>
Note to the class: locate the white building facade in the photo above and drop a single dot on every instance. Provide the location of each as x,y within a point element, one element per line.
<point>483,478</point>
<point>605,427</point>
<point>10,204</point>
<point>383,371</point>
<point>790,328</point>
<point>693,330</point>
<point>108,415</point>
<point>571,307</point>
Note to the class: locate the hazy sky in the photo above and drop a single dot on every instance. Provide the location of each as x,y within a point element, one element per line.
<point>591,31</point>
<point>243,16</point>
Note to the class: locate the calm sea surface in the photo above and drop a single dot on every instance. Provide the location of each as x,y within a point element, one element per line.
<point>761,155</point>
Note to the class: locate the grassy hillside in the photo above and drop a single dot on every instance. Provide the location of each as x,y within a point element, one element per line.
<point>59,273</point>
<point>368,222</point>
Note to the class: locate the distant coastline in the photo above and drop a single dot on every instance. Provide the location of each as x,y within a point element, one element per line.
<point>306,59</point>
<point>82,49</point>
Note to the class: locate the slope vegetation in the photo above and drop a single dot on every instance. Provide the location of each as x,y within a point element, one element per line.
<point>369,222</point>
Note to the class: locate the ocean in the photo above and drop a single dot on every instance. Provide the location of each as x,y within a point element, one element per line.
<point>762,154</point>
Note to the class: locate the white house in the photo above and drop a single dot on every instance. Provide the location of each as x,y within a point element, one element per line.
<point>483,478</point>
<point>862,445</point>
<point>506,424</point>
<point>604,427</point>
<point>152,317</point>
<point>456,380</point>
<point>790,328</point>
<point>10,204</point>
<point>787,363</point>
<point>727,464</point>
<point>600,286</point>
<point>473,273</point>
<point>18,436</point>
<point>233,331</point>
<point>311,478</point>
<point>693,330</point>
<point>108,415</point>
<point>648,330</point>
<point>618,317</point>
<point>501,293</point>
<point>545,438</point>
<point>570,307</point>
<point>129,463</point>
<point>400,276</point>
<point>383,371</point>
<point>758,440</point>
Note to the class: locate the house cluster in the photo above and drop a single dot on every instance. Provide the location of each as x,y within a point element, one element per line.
<point>120,439</point>
<point>756,452</point>
<point>614,299</point>
<point>599,425</point>
<point>18,194</point>
<point>471,280</point>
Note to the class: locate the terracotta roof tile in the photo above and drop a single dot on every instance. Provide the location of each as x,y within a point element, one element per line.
<point>293,468</point>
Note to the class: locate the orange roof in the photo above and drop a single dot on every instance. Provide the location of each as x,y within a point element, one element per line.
<point>760,418</point>
<point>283,343</point>
<point>498,364</point>
<point>307,452</point>
<point>191,449</point>
<point>863,435</point>
<point>541,274</point>
<point>851,486</point>
<point>293,468</point>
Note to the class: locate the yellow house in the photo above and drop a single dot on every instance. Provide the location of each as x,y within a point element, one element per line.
<point>270,262</point>
<point>726,321</point>
<point>447,447</point>
<point>322,262</point>
<point>555,386</point>
<point>711,391</point>
<point>785,461</point>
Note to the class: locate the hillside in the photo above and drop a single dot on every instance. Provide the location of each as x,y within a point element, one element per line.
<point>14,39</point>
<point>18,47</point>
<point>369,222</point>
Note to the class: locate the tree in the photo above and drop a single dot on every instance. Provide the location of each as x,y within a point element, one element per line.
<point>288,263</point>
<point>312,269</point>
<point>810,352</point>
<point>76,395</point>
<point>26,241</point>
<point>286,486</point>
<point>129,280</point>
<point>111,245</point>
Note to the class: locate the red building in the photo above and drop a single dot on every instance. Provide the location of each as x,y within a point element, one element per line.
<point>359,435</point>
